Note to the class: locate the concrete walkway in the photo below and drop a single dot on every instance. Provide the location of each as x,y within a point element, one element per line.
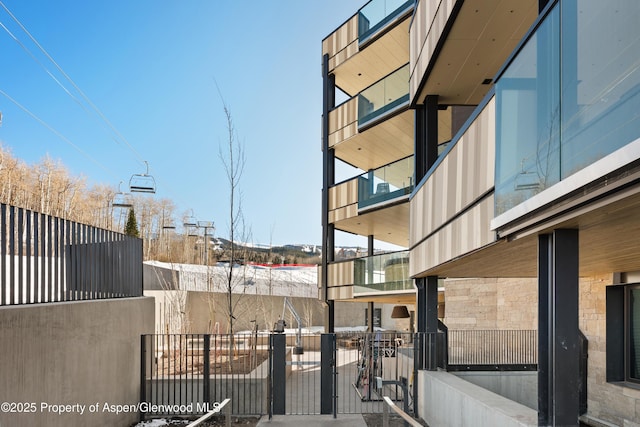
<point>351,420</point>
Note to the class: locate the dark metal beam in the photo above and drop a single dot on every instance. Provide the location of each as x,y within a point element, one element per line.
<point>545,365</point>
<point>327,362</point>
<point>279,376</point>
<point>432,304</point>
<point>425,136</point>
<point>559,337</point>
<point>328,161</point>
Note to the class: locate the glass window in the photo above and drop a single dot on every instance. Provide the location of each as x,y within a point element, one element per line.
<point>528,119</point>
<point>600,79</point>
<point>377,317</point>
<point>633,345</point>
<point>570,97</point>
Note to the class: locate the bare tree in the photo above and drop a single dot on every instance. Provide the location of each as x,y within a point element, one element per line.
<point>233,161</point>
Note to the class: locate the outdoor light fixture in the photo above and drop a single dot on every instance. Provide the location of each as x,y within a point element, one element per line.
<point>400,312</point>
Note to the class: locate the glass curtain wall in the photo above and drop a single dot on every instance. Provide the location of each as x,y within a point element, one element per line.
<point>570,97</point>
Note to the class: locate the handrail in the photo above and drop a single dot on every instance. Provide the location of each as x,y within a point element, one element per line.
<point>227,414</point>
<point>404,415</point>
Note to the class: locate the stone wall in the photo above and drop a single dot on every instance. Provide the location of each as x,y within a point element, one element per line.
<point>491,303</point>
<point>615,404</point>
<point>509,303</point>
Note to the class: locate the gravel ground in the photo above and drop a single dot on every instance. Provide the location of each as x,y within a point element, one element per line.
<point>372,420</point>
<point>211,422</point>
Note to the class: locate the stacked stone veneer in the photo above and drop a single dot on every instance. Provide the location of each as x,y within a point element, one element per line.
<point>615,404</point>
<point>494,303</point>
<point>512,303</point>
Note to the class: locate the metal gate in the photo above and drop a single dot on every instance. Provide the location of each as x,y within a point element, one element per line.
<point>185,374</point>
<point>343,373</point>
<point>370,366</point>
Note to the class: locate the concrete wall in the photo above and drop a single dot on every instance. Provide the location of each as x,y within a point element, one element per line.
<point>521,387</point>
<point>198,312</point>
<point>75,353</point>
<point>446,400</point>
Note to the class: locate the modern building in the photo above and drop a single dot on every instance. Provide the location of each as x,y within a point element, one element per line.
<point>367,59</point>
<point>520,128</point>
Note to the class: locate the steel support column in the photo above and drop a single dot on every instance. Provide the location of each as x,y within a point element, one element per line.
<point>328,162</point>
<point>327,364</point>
<point>558,333</point>
<point>279,374</point>
<point>427,304</point>
<point>421,305</point>
<point>426,136</point>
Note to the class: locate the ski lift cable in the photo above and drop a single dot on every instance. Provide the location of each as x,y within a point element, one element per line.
<point>55,132</point>
<point>99,113</point>
<point>54,78</point>
<point>82,94</point>
<point>117,135</point>
<point>58,82</point>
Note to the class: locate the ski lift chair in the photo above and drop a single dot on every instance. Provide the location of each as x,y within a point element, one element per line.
<point>121,199</point>
<point>142,183</point>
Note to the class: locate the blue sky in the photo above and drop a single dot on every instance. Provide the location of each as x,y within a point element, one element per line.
<point>151,67</point>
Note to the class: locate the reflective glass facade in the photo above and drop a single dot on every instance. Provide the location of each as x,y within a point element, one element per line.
<point>382,273</point>
<point>378,13</point>
<point>386,183</point>
<point>633,342</point>
<point>570,97</point>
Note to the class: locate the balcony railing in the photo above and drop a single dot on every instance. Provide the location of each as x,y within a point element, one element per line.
<point>386,183</point>
<point>383,97</point>
<point>377,14</point>
<point>382,273</point>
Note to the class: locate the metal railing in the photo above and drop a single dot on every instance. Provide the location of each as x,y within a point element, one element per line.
<point>477,350</point>
<point>48,259</point>
<point>493,349</point>
<point>406,417</point>
<point>184,374</point>
<point>227,414</point>
<point>382,273</point>
<point>383,97</point>
<point>385,183</point>
<point>379,13</point>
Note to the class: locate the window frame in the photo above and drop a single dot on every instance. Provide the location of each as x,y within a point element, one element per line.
<point>618,338</point>
<point>627,333</point>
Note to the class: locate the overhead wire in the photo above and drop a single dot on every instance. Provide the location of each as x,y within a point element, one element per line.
<point>118,136</point>
<point>70,80</point>
<point>55,131</point>
<point>41,64</point>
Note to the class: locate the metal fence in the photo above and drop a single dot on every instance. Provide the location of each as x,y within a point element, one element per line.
<point>372,365</point>
<point>184,374</point>
<point>49,259</point>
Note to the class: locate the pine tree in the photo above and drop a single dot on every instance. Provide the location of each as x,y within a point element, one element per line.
<point>131,227</point>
